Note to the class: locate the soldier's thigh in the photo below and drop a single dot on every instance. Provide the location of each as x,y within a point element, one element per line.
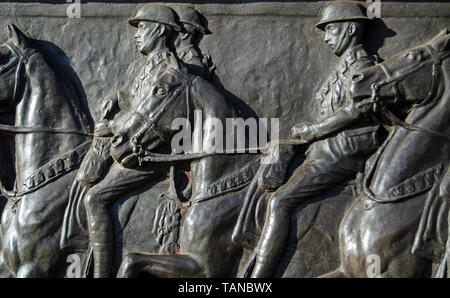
<point>121,180</point>
<point>311,178</point>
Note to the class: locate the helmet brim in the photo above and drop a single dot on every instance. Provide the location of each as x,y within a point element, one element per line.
<point>135,23</point>
<point>321,25</point>
<point>199,28</point>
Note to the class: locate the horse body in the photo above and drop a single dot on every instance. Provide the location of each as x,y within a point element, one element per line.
<point>218,186</point>
<point>406,170</point>
<point>53,123</point>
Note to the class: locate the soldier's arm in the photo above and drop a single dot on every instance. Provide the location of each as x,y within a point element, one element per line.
<point>349,114</point>
<point>342,118</point>
<point>334,123</point>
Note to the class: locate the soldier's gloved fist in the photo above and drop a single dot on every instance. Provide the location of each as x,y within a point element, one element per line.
<point>304,132</point>
<point>103,129</point>
<point>365,106</point>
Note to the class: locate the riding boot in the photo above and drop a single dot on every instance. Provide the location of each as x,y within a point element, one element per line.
<point>101,236</point>
<point>103,257</point>
<point>271,244</point>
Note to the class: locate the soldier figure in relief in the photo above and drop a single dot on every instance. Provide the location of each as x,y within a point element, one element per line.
<point>186,42</point>
<point>342,138</point>
<point>155,26</point>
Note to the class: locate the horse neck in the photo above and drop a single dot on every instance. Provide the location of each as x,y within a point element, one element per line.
<point>209,171</point>
<point>395,162</point>
<point>437,108</point>
<point>47,102</point>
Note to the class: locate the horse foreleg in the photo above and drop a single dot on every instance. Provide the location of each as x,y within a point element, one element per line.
<point>338,273</point>
<point>4,270</point>
<point>159,266</point>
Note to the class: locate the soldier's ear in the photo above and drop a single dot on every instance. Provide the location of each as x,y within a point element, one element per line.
<point>184,35</point>
<point>352,29</point>
<point>162,30</point>
<point>17,36</point>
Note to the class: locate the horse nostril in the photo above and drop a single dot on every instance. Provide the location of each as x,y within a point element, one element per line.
<point>357,77</point>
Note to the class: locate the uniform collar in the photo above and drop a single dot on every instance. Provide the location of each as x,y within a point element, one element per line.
<point>154,57</point>
<point>351,56</point>
<point>153,60</point>
<point>185,48</point>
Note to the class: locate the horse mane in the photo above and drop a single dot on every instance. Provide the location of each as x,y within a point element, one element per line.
<point>57,60</point>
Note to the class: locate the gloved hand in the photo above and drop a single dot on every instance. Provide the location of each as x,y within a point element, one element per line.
<point>305,132</point>
<point>103,129</point>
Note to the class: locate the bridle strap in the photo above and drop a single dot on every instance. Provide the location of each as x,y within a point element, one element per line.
<point>21,58</point>
<point>152,122</point>
<point>436,62</point>
<point>392,82</point>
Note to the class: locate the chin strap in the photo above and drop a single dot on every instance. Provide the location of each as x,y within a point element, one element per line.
<point>341,40</point>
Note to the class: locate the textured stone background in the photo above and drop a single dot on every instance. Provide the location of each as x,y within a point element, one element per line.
<point>268,54</point>
<point>269,58</point>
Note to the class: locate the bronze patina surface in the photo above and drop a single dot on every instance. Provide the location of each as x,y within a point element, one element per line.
<point>118,158</point>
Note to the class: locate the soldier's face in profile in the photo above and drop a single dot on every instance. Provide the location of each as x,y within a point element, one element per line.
<point>333,32</point>
<point>145,36</point>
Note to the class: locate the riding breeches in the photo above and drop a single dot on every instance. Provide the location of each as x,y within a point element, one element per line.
<point>118,182</point>
<point>327,163</point>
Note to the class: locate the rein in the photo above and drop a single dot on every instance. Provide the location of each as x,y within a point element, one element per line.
<point>152,122</point>
<point>436,62</point>
<point>143,155</point>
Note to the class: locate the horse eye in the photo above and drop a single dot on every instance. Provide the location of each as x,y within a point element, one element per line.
<point>160,91</point>
<point>4,59</point>
<point>413,56</point>
<point>357,77</point>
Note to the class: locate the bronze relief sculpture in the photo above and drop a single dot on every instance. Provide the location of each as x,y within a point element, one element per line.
<point>366,178</point>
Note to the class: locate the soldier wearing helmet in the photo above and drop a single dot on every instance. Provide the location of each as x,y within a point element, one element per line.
<point>341,139</point>
<point>186,42</point>
<point>108,181</point>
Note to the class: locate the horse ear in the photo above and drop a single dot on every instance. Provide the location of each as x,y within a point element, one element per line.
<point>441,42</point>
<point>17,36</point>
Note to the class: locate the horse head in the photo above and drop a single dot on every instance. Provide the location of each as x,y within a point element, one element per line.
<point>409,75</point>
<point>410,92</point>
<point>149,121</point>
<point>49,117</point>
<point>11,54</point>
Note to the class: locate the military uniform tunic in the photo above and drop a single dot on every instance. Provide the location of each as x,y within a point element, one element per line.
<point>342,155</point>
<point>121,180</point>
<point>194,60</point>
